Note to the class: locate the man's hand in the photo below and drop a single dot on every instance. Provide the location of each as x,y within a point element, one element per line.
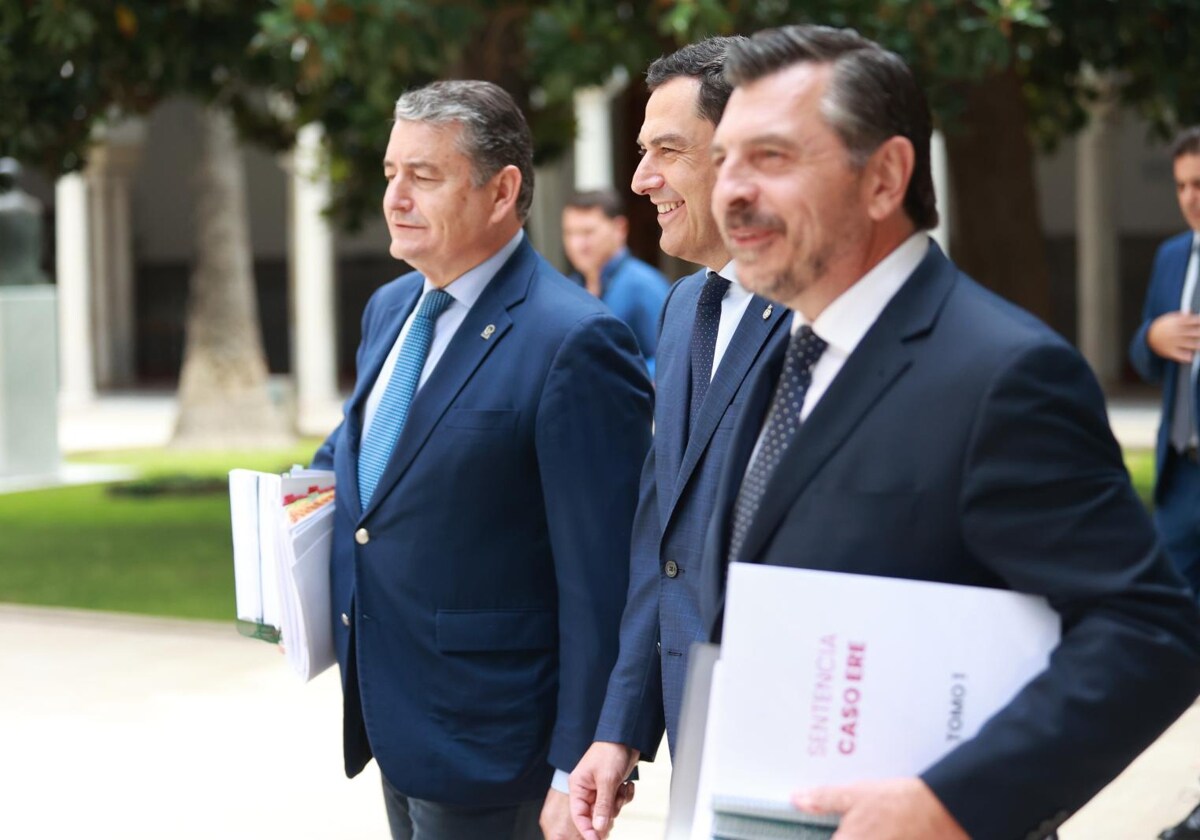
<point>556,817</point>
<point>893,809</point>
<point>1175,336</point>
<point>599,789</point>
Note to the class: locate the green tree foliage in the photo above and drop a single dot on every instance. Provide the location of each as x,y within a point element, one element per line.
<point>66,66</point>
<point>1002,75</point>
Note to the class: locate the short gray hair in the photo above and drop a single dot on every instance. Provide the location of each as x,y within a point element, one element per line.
<point>494,131</point>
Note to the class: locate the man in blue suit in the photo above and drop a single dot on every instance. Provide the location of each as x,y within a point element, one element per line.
<point>714,334</point>
<point>487,468</point>
<point>594,231</point>
<point>920,427</point>
<point>1163,351</point>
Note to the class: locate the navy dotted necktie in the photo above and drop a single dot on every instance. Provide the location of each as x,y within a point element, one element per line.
<point>783,421</point>
<point>704,340</point>
<point>392,411</point>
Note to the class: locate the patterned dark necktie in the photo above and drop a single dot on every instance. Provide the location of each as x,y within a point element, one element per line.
<point>1183,418</point>
<point>392,411</point>
<point>704,340</point>
<point>783,422</point>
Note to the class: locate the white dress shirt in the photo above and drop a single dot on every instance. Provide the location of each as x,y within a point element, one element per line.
<point>845,321</point>
<point>733,307</point>
<point>464,290</point>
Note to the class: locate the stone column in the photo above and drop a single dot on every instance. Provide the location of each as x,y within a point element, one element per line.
<point>314,314</point>
<point>72,238</point>
<point>593,134</point>
<point>941,189</point>
<point>109,175</point>
<point>1097,250</point>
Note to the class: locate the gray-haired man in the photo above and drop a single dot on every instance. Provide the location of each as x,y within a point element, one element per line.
<point>487,474</point>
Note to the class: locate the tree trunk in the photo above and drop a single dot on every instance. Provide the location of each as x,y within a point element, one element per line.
<point>223,397</point>
<point>996,231</point>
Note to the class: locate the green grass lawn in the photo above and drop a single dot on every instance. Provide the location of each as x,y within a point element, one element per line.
<point>167,554</point>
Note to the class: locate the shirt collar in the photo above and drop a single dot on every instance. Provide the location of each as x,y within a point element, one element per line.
<point>845,321</point>
<point>467,287</point>
<point>736,290</point>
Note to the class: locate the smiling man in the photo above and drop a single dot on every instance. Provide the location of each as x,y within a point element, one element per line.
<point>713,335</point>
<point>918,426</point>
<point>487,467</point>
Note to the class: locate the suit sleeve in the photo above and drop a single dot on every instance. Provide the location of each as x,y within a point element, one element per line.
<point>593,432</point>
<point>1046,503</point>
<point>633,707</point>
<point>1149,365</point>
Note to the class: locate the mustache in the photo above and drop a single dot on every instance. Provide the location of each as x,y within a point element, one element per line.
<point>746,217</point>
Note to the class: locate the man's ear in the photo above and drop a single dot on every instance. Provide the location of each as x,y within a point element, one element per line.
<point>506,185</point>
<point>886,177</point>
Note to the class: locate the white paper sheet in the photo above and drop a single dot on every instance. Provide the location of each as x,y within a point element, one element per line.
<point>827,678</point>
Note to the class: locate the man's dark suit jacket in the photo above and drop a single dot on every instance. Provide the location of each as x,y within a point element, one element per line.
<point>965,442</point>
<point>679,485</point>
<point>1164,295</point>
<point>484,583</point>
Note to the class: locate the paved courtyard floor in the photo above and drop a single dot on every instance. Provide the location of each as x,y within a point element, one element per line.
<point>117,726</point>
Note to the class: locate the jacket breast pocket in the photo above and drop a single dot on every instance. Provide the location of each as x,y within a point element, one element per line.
<point>483,420</point>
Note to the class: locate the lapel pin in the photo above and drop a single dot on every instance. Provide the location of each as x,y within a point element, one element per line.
<point>767,312</point>
<point>487,331</point>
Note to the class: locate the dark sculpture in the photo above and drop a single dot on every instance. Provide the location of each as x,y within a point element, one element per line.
<point>20,230</point>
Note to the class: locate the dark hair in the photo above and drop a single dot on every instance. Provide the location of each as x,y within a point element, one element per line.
<point>607,201</point>
<point>872,97</point>
<point>705,62</point>
<point>1186,142</point>
<point>494,132</point>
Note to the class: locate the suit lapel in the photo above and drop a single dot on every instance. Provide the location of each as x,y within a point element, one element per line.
<point>882,357</point>
<point>672,379</point>
<point>385,338</point>
<point>472,343</point>
<point>748,340</point>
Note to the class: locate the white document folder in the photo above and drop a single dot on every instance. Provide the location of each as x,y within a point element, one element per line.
<point>282,534</point>
<point>829,678</point>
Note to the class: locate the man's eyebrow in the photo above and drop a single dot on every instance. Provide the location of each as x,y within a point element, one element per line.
<point>668,139</point>
<point>411,164</point>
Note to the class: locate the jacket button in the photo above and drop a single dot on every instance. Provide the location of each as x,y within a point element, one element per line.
<point>671,568</point>
<point>361,536</point>
<point>345,620</point>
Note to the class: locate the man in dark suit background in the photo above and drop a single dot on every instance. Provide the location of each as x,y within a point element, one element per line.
<point>920,427</point>
<point>1163,351</point>
<point>713,335</point>
<point>487,469</point>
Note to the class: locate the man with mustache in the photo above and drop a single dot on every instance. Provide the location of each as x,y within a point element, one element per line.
<point>714,334</point>
<point>918,426</point>
<point>487,468</point>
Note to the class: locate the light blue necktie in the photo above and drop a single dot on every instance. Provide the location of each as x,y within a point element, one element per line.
<point>397,397</point>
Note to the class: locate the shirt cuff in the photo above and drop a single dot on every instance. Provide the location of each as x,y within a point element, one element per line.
<point>559,782</point>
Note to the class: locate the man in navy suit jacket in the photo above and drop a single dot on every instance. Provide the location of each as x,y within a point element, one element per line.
<point>477,590</point>
<point>920,427</point>
<point>698,398</point>
<point>1163,351</point>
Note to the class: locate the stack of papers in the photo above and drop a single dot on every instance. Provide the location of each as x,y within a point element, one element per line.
<point>282,533</point>
<point>830,678</point>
